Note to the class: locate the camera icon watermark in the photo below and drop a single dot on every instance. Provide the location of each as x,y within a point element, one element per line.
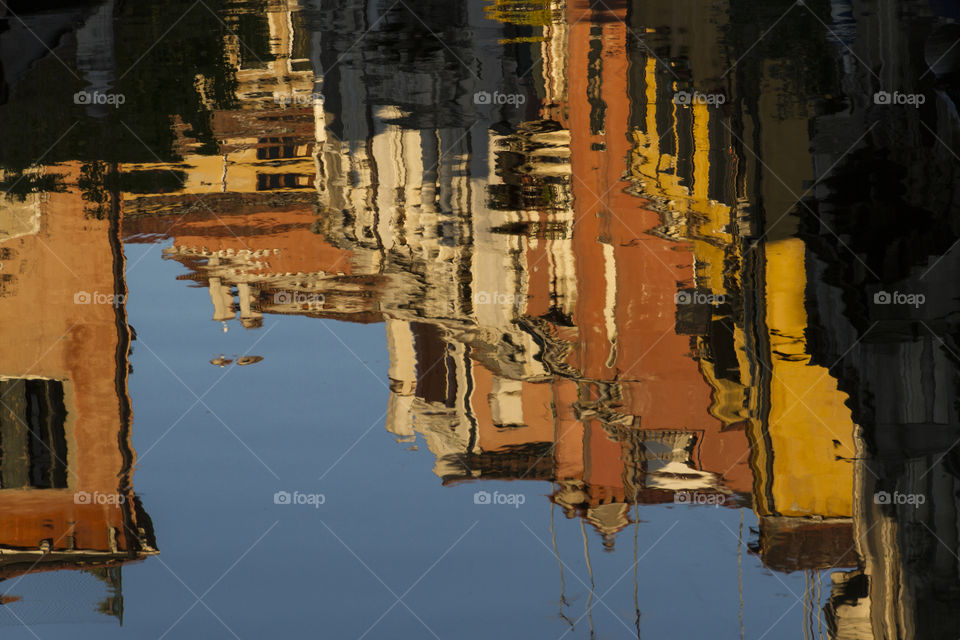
<point>85,497</point>
<point>513,499</point>
<point>95,297</point>
<point>496,297</point>
<point>309,301</point>
<point>297,498</point>
<point>698,297</point>
<point>98,98</point>
<point>898,298</point>
<point>695,497</point>
<point>897,498</point>
<point>690,98</point>
<point>887,98</point>
<point>487,98</point>
<point>298,99</point>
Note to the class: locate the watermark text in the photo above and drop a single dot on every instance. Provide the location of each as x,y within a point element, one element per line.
<point>485,497</point>
<point>96,97</point>
<point>299,498</point>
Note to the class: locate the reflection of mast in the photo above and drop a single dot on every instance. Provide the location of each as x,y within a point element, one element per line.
<point>563,587</point>
<point>740,574</point>
<point>812,623</point>
<point>593,588</point>
<point>636,563</point>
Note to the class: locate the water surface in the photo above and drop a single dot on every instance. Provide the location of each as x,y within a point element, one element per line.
<point>479,319</point>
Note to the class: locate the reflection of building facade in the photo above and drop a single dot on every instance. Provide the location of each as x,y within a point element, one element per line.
<point>750,348</point>
<point>528,275</point>
<point>519,347</point>
<point>66,464</point>
<point>541,272</point>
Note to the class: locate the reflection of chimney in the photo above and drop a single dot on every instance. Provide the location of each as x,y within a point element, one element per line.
<point>570,494</point>
<point>403,378</point>
<point>222,300</point>
<point>506,402</point>
<point>281,46</point>
<point>248,316</point>
<point>608,519</point>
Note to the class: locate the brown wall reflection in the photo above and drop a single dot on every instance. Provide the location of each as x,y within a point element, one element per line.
<point>65,469</point>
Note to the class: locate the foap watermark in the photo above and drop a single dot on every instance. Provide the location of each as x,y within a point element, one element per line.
<point>485,97</point>
<point>690,98</point>
<point>312,499</point>
<point>95,297</point>
<point>85,497</point>
<point>299,99</point>
<point>695,497</point>
<point>885,497</point>
<point>302,300</point>
<point>896,98</point>
<point>495,297</point>
<point>898,298</point>
<point>97,97</point>
<point>485,497</point>
<point>698,297</point>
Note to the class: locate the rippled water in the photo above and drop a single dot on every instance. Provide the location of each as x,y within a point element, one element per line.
<point>479,319</point>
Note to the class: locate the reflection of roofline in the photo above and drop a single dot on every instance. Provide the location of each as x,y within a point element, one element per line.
<point>16,562</point>
<point>360,317</point>
<point>529,461</point>
<point>144,215</point>
<point>798,543</point>
<point>465,479</point>
<point>652,496</point>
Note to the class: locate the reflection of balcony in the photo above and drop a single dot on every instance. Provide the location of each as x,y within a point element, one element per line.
<point>665,457</point>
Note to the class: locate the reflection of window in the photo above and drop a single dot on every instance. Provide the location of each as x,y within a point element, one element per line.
<point>253,30</point>
<point>33,444</point>
<point>278,148</point>
<point>436,368</point>
<point>282,181</point>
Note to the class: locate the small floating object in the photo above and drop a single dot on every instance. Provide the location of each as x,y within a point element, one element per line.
<point>221,361</point>
<point>245,360</point>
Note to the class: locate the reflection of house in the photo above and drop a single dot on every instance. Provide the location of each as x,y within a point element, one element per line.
<point>537,358</point>
<point>803,440</point>
<point>251,237</point>
<point>544,361</point>
<point>752,347</point>
<point>639,378</point>
<point>520,346</point>
<point>65,469</point>
<point>265,145</point>
<point>260,259</point>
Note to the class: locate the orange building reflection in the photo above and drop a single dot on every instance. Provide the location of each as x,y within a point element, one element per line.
<point>66,491</point>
